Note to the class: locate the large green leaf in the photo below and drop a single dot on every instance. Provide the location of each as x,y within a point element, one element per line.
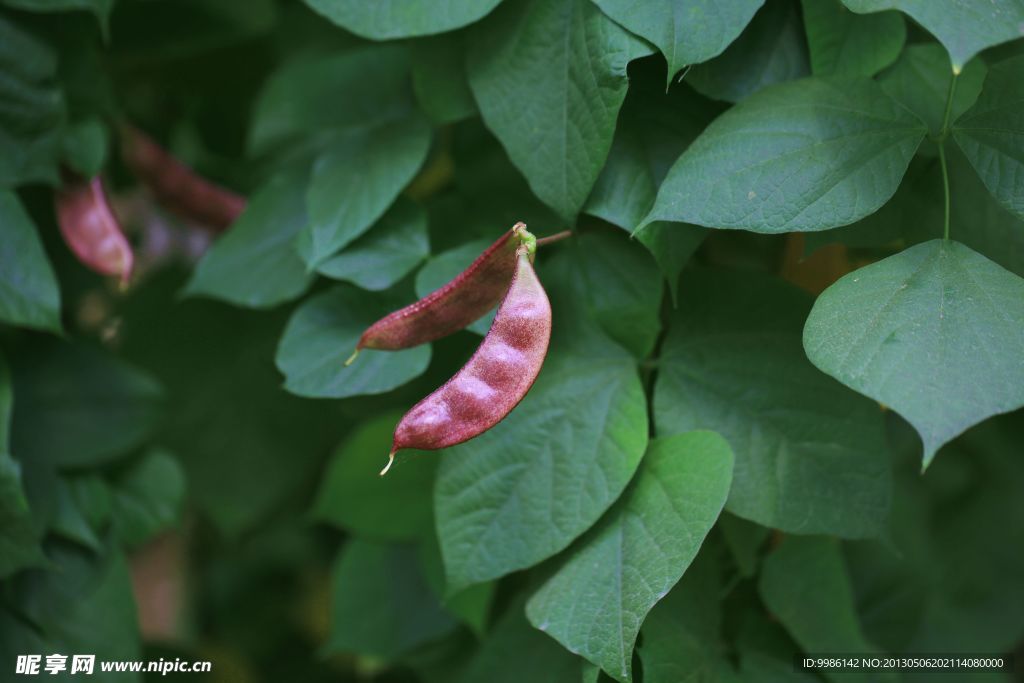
<point>33,107</point>
<point>255,263</point>
<point>936,332</point>
<point>353,497</point>
<point>842,42</point>
<point>524,490</point>
<point>810,455</point>
<point>770,50</point>
<point>83,605</point>
<point>920,81</point>
<point>355,179</point>
<point>991,133</point>
<point>805,586</point>
<point>549,77</point>
<point>79,406</point>
<point>29,294</point>
<point>382,605</point>
<point>514,652</point>
<point>395,245</point>
<point>686,31</point>
<point>599,596</point>
<point>527,488</point>
<point>388,19</point>
<point>964,28</point>
<point>315,94</point>
<point>806,155</point>
<point>321,335</point>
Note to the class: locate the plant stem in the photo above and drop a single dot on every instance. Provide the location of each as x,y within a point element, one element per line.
<point>945,190</point>
<point>943,134</point>
<point>557,237</point>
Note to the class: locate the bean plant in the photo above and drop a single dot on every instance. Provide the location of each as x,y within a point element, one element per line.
<point>779,417</point>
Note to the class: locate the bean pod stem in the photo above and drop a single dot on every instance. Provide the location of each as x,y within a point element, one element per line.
<point>91,229</point>
<point>495,379</point>
<point>451,308</point>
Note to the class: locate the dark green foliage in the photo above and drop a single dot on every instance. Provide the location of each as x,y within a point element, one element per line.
<point>781,412</point>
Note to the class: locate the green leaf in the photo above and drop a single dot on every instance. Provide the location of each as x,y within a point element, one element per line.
<point>920,82</point>
<point>353,497</point>
<point>364,86</point>
<point>33,110</point>
<point>515,652</point>
<point>849,44</point>
<point>19,544</point>
<point>964,28</point>
<point>936,332</point>
<point>672,245</point>
<point>770,50</point>
<point>686,31</point>
<point>84,605</point>
<point>148,497</point>
<point>254,264</point>
<point>84,146</point>
<point>395,245</point>
<point>804,584</point>
<point>100,8</point>
<point>388,19</point>
<point>681,639</point>
<point>322,333</point>
<point>439,79</point>
<point>653,129</point>
<point>78,406</point>
<point>623,292</point>
<point>549,77</point>
<point>382,606</point>
<point>441,269</point>
<point>524,490</point>
<point>355,179</point>
<point>597,599</point>
<point>991,133</point>
<point>810,455</point>
<point>806,155</point>
<point>70,520</point>
<point>29,294</point>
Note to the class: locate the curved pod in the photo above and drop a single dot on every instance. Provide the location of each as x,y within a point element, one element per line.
<point>91,229</point>
<point>494,380</point>
<point>449,309</point>
<point>175,185</point>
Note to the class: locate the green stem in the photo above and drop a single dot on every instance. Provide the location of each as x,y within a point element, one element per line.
<point>945,190</point>
<point>943,134</point>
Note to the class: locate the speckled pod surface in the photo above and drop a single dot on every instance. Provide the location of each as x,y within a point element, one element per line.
<point>495,379</point>
<point>451,308</point>
<point>90,228</point>
<point>177,187</point>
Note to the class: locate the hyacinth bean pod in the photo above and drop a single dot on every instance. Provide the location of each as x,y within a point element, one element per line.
<point>451,308</point>
<point>495,379</point>
<point>91,229</point>
<point>177,187</point>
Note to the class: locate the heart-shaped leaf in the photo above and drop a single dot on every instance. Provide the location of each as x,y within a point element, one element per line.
<point>805,155</point>
<point>597,599</point>
<point>935,332</point>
